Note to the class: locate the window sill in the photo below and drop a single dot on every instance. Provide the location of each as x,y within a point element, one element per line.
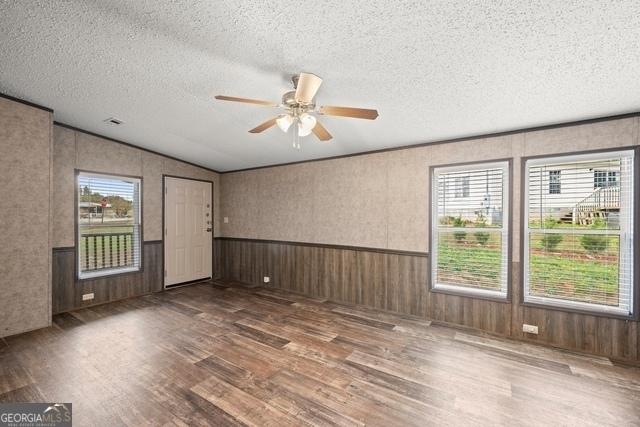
<point>460,291</point>
<point>103,274</point>
<point>580,309</point>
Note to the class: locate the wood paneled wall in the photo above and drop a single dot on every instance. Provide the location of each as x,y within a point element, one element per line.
<point>381,280</point>
<point>397,281</point>
<point>68,291</point>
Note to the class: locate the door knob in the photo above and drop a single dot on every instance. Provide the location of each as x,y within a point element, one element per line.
<point>208,229</point>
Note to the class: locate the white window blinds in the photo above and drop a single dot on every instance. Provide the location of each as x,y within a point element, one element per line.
<point>109,228</point>
<point>469,229</point>
<point>579,240</point>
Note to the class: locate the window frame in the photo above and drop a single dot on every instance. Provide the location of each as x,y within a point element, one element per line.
<point>524,234</point>
<point>432,224</point>
<point>76,214</point>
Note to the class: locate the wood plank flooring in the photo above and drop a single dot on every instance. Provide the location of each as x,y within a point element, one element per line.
<point>221,354</point>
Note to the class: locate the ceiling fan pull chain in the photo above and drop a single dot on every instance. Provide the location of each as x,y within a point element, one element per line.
<point>296,135</point>
<point>294,132</point>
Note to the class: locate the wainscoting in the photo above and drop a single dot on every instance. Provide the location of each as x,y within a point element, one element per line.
<point>389,280</point>
<point>398,281</point>
<point>385,280</point>
<point>67,291</point>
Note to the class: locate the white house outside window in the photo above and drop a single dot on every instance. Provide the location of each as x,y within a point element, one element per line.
<point>578,245</point>
<point>462,186</point>
<point>554,182</point>
<point>604,178</point>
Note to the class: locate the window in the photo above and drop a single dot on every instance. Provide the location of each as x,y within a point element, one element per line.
<point>554,182</point>
<point>470,242</point>
<point>603,178</point>
<point>109,228</point>
<point>579,248</point>
<point>462,186</point>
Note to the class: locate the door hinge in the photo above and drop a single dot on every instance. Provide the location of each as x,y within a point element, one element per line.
<point>166,190</point>
<point>165,273</point>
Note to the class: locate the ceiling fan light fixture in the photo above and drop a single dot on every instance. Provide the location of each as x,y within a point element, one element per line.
<point>284,122</point>
<point>306,123</point>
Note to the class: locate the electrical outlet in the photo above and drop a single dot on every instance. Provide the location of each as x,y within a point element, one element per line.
<point>226,220</point>
<point>266,279</point>
<point>530,329</point>
<point>87,297</point>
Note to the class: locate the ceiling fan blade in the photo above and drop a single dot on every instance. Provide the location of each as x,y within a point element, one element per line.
<point>246,100</point>
<point>308,85</point>
<point>320,131</point>
<point>356,113</point>
<point>264,126</point>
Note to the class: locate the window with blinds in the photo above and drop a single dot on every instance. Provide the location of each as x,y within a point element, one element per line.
<point>578,241</point>
<point>469,229</point>
<point>109,226</point>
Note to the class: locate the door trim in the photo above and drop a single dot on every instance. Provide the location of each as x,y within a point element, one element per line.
<point>164,181</point>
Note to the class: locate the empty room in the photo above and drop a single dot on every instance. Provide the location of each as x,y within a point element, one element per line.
<point>350,213</point>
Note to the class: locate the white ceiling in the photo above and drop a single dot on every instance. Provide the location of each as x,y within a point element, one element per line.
<point>434,70</point>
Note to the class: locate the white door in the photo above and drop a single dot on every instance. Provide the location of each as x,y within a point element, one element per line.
<point>188,222</point>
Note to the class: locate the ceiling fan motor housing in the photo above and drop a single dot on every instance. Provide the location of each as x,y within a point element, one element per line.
<point>289,101</point>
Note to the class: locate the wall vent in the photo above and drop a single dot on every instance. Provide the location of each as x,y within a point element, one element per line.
<point>113,121</point>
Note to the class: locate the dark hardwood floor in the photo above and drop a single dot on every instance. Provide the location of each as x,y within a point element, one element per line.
<point>220,354</point>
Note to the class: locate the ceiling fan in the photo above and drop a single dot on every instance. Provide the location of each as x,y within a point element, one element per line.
<point>299,108</point>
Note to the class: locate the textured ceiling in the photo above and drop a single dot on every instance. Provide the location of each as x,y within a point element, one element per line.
<point>434,70</point>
